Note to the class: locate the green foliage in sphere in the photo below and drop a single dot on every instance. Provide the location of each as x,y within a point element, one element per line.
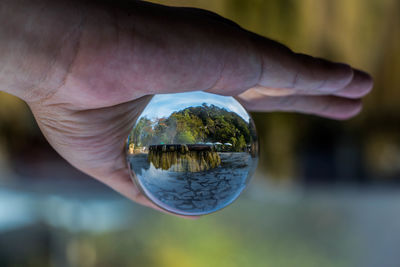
<point>193,125</point>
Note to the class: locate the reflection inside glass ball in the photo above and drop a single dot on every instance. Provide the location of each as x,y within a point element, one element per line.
<point>192,153</point>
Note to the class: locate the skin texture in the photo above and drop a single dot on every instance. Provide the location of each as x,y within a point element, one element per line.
<point>87,69</point>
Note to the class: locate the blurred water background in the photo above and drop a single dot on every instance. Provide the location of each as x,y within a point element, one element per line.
<point>326,193</point>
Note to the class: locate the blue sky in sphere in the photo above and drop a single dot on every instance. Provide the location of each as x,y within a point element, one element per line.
<point>163,105</point>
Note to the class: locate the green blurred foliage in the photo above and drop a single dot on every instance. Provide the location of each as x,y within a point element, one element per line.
<point>270,239</point>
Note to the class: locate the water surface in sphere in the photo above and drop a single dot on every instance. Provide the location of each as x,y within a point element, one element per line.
<point>192,153</point>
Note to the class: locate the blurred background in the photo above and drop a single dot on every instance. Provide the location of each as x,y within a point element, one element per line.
<point>326,193</point>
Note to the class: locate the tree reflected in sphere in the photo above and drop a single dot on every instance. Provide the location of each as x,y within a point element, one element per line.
<point>192,153</point>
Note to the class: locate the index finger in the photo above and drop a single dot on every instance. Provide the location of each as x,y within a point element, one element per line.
<point>282,68</point>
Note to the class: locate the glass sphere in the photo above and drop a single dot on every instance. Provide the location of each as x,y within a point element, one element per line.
<point>192,153</point>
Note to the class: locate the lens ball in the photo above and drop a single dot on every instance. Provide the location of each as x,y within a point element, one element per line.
<point>192,153</point>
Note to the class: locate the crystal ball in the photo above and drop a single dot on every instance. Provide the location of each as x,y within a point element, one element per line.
<point>192,153</point>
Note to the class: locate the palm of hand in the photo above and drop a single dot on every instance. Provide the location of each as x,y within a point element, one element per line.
<point>93,140</point>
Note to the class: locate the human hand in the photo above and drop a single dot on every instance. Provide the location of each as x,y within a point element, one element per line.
<point>88,70</point>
